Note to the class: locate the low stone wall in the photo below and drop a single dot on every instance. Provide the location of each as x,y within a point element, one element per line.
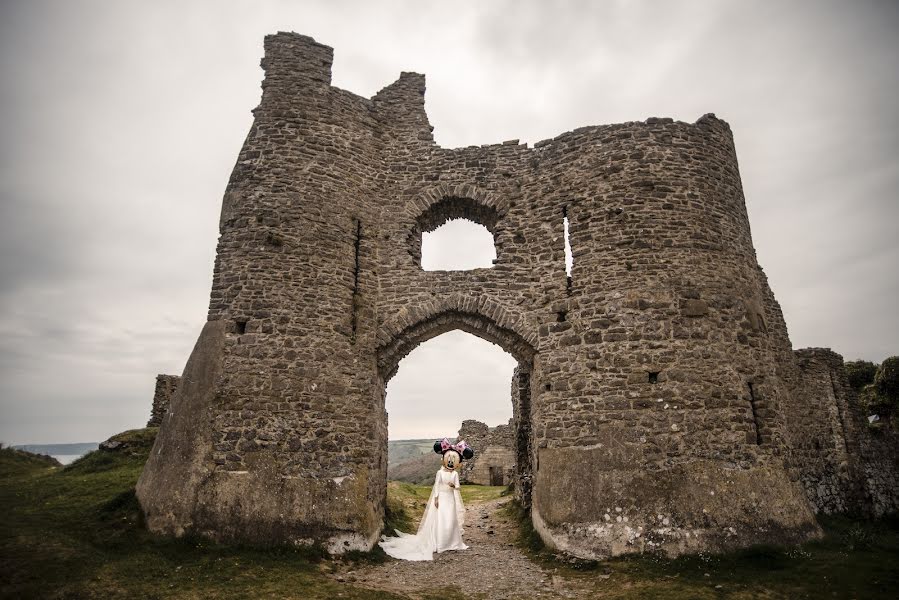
<point>844,464</point>
<point>822,432</point>
<point>880,472</point>
<point>166,385</point>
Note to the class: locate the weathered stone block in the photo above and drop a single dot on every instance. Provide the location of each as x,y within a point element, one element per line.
<point>694,308</point>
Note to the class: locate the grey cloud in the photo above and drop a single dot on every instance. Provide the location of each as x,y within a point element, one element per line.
<point>120,123</point>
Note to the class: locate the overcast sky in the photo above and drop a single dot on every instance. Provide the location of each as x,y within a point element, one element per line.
<point>120,123</point>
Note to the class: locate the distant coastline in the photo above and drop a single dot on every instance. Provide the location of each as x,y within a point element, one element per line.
<point>64,453</point>
<point>66,459</point>
<point>398,450</point>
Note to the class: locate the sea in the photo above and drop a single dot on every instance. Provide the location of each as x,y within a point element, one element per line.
<point>64,453</point>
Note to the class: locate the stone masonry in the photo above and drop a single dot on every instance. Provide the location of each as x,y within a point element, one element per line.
<point>494,459</point>
<point>652,398</point>
<point>843,464</point>
<point>162,396</point>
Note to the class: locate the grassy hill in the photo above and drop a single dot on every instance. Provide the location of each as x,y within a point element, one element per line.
<point>412,461</point>
<point>400,451</point>
<point>76,532</point>
<point>419,470</point>
<point>17,462</point>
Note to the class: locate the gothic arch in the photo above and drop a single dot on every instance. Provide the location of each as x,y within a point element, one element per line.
<point>478,316</point>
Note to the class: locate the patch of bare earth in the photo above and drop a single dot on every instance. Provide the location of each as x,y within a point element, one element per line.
<point>492,567</point>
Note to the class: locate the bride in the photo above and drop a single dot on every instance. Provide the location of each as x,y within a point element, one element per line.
<point>441,524</point>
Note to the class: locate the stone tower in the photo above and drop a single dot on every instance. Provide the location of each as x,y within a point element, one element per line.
<point>647,400</point>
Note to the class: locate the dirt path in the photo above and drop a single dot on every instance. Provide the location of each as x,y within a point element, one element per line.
<point>493,567</point>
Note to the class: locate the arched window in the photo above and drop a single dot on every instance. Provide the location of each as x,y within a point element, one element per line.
<point>457,245</point>
<point>455,234</point>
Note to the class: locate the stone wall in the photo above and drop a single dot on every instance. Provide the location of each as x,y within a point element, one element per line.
<point>880,471</point>
<point>494,459</point>
<point>524,437</point>
<point>649,399</point>
<point>162,396</point>
<point>823,432</point>
<point>843,464</point>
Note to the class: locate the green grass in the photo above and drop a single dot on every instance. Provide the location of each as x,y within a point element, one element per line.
<point>76,532</point>
<point>857,558</point>
<point>18,462</point>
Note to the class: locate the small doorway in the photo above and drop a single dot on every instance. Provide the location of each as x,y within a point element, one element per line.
<point>496,476</point>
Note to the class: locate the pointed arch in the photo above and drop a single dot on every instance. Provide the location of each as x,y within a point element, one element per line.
<point>477,316</point>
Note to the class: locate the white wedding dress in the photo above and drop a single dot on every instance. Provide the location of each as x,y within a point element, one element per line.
<point>440,528</point>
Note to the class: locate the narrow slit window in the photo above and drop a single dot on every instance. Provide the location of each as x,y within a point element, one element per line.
<point>241,327</point>
<point>569,259</point>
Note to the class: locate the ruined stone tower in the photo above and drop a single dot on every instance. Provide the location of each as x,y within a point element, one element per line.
<point>649,395</point>
<point>494,462</point>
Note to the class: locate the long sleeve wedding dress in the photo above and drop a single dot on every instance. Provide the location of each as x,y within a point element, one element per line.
<point>441,525</point>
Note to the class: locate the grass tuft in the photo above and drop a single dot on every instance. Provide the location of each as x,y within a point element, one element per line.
<point>528,538</point>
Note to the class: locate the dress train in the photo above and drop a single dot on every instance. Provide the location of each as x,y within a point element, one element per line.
<point>440,528</point>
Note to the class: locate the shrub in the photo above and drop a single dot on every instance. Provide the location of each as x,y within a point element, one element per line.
<point>881,397</point>
<point>887,380</point>
<point>860,373</point>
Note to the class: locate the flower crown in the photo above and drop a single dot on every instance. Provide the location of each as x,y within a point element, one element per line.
<point>461,447</point>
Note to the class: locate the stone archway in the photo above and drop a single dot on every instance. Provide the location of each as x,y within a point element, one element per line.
<point>481,317</point>
<point>434,323</point>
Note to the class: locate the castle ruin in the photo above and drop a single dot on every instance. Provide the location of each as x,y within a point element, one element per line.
<point>494,459</point>
<point>657,403</point>
<point>162,397</point>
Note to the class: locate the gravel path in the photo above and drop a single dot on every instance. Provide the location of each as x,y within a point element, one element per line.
<point>493,567</point>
